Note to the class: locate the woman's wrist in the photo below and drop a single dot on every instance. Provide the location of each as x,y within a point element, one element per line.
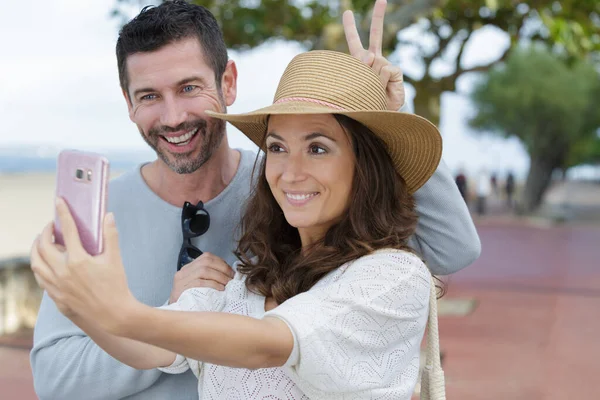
<point>124,321</point>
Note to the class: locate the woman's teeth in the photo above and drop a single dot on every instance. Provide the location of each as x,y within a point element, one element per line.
<point>183,139</point>
<point>300,197</point>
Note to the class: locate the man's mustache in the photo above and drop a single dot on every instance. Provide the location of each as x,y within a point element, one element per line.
<point>201,124</point>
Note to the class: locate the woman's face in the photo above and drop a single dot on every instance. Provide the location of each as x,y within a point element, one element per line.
<point>310,167</point>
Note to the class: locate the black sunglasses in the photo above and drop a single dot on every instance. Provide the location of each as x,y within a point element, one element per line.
<point>194,222</point>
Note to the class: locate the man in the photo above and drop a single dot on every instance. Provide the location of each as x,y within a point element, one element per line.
<point>173,66</point>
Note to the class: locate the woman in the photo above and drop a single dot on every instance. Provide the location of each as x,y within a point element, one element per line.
<point>328,301</point>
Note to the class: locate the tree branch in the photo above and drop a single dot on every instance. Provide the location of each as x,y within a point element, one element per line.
<point>418,45</point>
<point>482,68</point>
<point>442,44</point>
<point>407,14</point>
<point>428,60</point>
<point>409,80</point>
<point>462,49</point>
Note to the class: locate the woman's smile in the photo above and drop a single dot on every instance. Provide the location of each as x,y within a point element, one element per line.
<point>299,199</point>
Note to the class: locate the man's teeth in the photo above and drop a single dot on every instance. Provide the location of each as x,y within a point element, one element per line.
<point>300,197</point>
<point>183,138</point>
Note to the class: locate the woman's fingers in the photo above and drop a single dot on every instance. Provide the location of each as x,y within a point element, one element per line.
<point>34,260</point>
<point>69,229</point>
<point>44,275</point>
<point>48,251</point>
<point>111,237</point>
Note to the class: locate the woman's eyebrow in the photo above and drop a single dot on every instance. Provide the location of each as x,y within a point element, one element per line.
<point>308,137</point>
<point>274,135</point>
<point>315,135</point>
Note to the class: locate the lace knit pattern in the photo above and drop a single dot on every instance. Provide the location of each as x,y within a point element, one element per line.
<point>357,334</point>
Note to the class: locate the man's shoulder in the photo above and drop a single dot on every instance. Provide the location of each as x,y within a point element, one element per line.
<point>248,159</point>
<point>243,176</point>
<point>125,185</point>
<point>127,177</point>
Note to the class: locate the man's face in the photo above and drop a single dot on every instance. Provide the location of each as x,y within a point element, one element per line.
<point>170,89</point>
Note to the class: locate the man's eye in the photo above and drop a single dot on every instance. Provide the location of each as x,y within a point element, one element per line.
<point>148,97</point>
<point>189,88</point>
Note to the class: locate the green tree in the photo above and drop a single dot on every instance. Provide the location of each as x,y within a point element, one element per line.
<point>571,27</point>
<point>549,105</point>
<point>585,152</point>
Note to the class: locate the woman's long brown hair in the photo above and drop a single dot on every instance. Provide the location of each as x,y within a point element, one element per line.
<point>380,215</point>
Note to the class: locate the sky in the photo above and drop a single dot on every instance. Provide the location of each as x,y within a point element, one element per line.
<point>59,86</point>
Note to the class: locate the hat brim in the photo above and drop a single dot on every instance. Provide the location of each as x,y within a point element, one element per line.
<point>413,143</point>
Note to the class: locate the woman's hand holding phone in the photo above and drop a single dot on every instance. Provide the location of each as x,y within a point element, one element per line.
<point>91,287</point>
<point>82,181</point>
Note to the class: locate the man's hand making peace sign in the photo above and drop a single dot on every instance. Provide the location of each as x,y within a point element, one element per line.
<point>391,76</point>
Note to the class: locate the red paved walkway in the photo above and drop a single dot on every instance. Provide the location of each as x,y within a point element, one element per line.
<point>15,375</point>
<point>533,335</point>
<point>534,332</point>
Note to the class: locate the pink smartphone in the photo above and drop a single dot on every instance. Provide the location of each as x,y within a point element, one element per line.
<point>82,181</point>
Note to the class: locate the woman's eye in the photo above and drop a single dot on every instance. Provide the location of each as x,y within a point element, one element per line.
<point>275,148</point>
<point>314,149</point>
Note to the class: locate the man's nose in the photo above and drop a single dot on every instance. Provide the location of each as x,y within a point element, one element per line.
<point>173,113</point>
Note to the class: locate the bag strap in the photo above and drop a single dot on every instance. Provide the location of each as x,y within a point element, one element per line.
<point>432,378</point>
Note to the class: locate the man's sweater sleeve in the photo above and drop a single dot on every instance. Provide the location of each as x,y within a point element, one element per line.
<point>67,364</point>
<point>445,236</point>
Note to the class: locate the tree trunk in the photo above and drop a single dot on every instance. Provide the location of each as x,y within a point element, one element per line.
<point>427,103</point>
<point>538,181</point>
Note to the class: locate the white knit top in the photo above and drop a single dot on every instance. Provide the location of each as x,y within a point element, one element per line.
<point>357,334</point>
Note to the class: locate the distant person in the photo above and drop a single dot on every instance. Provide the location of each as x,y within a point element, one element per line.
<point>494,182</point>
<point>173,67</point>
<point>509,190</point>
<point>461,183</point>
<point>484,189</point>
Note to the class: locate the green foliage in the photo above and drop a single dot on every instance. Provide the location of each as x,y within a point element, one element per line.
<point>586,151</point>
<point>247,24</point>
<point>550,106</point>
<point>573,24</point>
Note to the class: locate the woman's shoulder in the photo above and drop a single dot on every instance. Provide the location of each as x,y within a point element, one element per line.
<point>392,257</point>
<point>382,264</point>
<point>388,262</point>
<point>398,255</point>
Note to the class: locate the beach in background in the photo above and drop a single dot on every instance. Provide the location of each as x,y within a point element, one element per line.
<point>26,206</point>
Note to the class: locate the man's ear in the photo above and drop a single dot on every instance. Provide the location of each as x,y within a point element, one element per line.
<point>229,83</point>
<point>129,104</point>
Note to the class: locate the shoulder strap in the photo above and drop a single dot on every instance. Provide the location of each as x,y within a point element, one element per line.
<point>432,378</point>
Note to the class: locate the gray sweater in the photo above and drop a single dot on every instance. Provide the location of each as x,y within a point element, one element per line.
<point>68,365</point>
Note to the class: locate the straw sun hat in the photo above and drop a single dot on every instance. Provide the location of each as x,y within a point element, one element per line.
<point>329,82</point>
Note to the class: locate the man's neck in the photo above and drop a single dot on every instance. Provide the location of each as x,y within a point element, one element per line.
<point>204,184</point>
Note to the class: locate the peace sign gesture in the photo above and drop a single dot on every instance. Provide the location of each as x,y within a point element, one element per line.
<point>391,76</point>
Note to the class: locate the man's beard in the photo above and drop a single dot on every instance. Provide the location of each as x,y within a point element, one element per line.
<point>212,133</point>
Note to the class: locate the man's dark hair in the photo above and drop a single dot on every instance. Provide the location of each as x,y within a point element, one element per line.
<point>158,26</point>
